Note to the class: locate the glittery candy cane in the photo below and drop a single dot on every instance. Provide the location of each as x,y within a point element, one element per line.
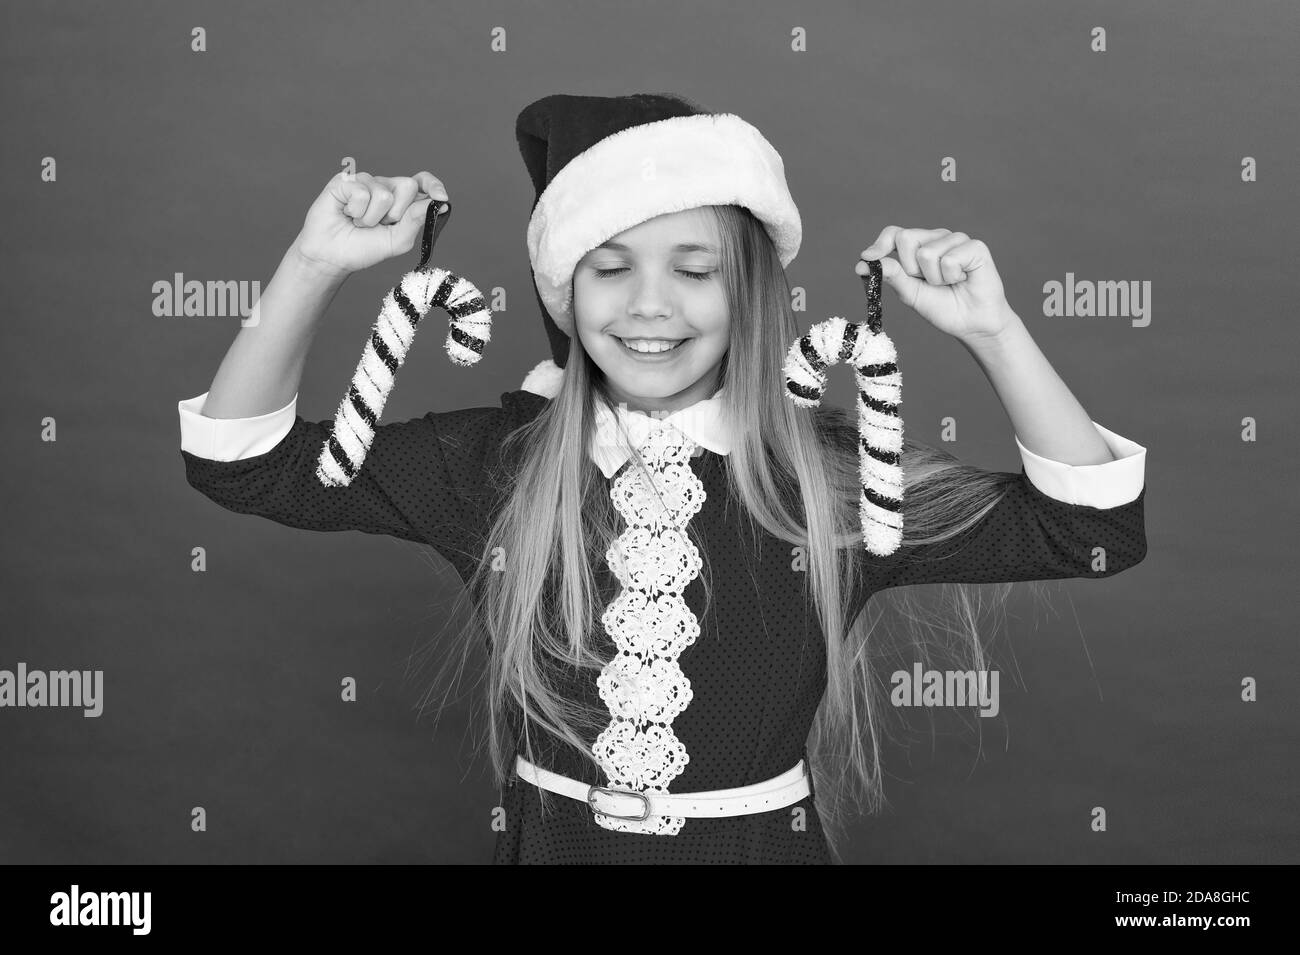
<point>404,306</point>
<point>880,427</point>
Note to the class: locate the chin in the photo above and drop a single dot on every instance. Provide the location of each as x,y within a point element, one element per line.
<point>651,386</point>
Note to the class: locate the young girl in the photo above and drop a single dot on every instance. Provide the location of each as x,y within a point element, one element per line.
<point>664,553</point>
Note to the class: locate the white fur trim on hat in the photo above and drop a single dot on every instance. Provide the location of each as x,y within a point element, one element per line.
<point>544,379</point>
<point>649,170</point>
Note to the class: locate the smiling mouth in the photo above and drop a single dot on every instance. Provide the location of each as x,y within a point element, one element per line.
<point>652,346</point>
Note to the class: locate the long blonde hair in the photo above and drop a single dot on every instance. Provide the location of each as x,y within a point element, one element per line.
<point>556,522</point>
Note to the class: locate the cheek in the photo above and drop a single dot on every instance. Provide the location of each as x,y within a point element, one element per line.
<point>718,324</point>
<point>717,314</point>
<point>583,317</point>
<point>591,308</point>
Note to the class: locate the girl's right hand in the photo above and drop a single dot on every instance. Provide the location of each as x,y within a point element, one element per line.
<point>360,220</point>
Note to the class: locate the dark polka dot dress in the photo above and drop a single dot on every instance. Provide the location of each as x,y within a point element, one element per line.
<point>757,670</point>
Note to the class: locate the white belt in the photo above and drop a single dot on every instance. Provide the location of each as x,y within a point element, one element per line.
<point>775,793</point>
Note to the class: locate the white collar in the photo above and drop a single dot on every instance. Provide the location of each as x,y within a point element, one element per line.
<point>703,422</point>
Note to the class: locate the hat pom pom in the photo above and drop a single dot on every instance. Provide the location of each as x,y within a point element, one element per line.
<point>544,379</point>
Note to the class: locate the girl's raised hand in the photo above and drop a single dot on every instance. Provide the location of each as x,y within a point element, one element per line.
<point>947,277</point>
<point>359,220</point>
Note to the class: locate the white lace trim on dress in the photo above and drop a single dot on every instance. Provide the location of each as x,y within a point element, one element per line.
<point>650,624</point>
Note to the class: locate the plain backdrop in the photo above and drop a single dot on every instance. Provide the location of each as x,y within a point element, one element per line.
<point>222,687</point>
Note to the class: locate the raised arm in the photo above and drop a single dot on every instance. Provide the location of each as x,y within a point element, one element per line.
<point>1076,508</point>
<point>245,447</point>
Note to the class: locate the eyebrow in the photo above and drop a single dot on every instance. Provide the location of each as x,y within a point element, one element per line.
<point>680,247</point>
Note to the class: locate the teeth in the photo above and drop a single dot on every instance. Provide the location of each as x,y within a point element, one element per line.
<point>651,346</point>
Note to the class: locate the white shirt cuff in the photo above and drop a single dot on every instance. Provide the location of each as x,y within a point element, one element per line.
<point>1095,485</point>
<point>232,439</point>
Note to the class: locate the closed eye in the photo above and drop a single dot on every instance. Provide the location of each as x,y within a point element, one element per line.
<point>696,276</point>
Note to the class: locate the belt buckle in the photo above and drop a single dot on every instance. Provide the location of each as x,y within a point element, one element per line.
<point>645,802</point>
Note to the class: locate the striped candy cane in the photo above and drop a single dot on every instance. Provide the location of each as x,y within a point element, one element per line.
<point>880,427</point>
<point>404,306</point>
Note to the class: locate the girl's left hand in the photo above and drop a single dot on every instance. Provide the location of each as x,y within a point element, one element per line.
<point>947,277</point>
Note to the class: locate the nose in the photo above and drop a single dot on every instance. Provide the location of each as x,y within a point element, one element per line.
<point>649,298</point>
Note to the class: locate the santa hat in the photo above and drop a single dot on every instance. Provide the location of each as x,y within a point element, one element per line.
<point>602,164</point>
